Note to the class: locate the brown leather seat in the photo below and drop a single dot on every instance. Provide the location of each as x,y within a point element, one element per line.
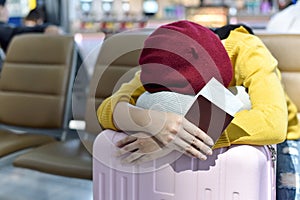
<point>285,48</point>
<point>56,77</point>
<point>116,63</point>
<point>68,158</point>
<point>33,90</point>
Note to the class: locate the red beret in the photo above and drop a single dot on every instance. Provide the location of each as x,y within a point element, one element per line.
<point>182,57</point>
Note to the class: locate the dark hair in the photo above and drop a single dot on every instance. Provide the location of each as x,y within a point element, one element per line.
<point>2,2</point>
<point>35,14</point>
<point>224,31</point>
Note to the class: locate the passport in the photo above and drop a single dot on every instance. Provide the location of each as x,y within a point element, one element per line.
<point>213,108</point>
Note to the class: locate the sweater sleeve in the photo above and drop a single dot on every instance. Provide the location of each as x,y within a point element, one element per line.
<point>128,92</point>
<point>256,69</point>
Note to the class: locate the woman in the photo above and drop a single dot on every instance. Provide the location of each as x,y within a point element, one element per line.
<point>271,120</point>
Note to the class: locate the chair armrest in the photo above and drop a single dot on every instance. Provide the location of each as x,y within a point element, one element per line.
<point>77,125</point>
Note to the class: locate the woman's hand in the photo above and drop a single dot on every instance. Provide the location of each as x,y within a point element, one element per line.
<point>173,128</point>
<point>141,148</point>
<point>170,129</point>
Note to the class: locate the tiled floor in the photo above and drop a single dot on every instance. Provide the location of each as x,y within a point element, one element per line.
<point>24,184</point>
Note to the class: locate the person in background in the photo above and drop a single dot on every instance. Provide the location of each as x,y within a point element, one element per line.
<point>35,17</point>
<point>7,31</point>
<point>286,21</point>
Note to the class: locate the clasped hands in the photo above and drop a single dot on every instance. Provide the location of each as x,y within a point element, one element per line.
<point>163,134</point>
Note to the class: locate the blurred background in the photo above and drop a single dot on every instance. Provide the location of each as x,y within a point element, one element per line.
<point>111,16</point>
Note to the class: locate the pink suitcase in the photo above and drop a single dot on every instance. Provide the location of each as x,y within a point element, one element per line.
<point>241,172</point>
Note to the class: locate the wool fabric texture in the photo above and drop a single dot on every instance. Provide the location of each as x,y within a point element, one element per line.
<point>182,57</point>
<point>180,103</point>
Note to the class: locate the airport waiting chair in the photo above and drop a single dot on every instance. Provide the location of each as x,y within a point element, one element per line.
<point>285,48</point>
<point>67,157</point>
<point>70,158</point>
<point>218,178</point>
<point>34,91</point>
<point>110,71</point>
<point>117,63</point>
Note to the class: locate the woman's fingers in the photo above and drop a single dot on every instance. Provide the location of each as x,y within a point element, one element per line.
<point>188,149</point>
<point>152,156</point>
<point>195,142</point>
<point>132,157</point>
<point>126,140</point>
<point>127,148</point>
<point>139,143</point>
<point>141,147</point>
<point>194,130</point>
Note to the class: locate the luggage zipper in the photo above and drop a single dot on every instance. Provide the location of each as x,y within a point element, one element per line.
<point>273,152</point>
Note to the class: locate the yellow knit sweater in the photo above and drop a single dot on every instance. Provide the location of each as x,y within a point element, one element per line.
<point>272,118</point>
